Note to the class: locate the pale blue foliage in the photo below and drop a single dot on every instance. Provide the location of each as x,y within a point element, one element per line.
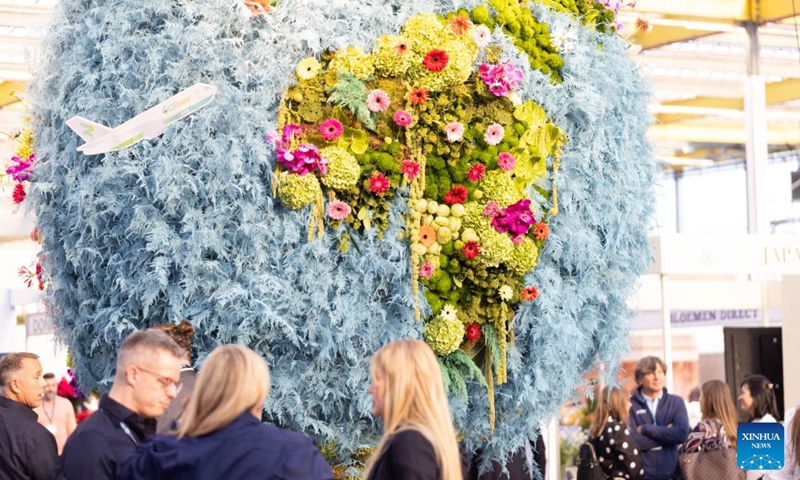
<point>186,226</point>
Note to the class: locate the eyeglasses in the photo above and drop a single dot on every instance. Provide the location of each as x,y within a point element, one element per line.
<point>166,382</point>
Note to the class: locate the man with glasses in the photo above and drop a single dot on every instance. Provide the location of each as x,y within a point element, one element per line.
<point>146,380</point>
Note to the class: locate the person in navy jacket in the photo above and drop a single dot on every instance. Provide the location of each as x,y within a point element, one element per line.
<point>220,434</point>
<point>659,421</point>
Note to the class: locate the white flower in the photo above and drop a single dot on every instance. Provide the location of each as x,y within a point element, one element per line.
<point>506,292</point>
<point>482,35</point>
<point>448,312</point>
<point>564,38</point>
<point>455,131</point>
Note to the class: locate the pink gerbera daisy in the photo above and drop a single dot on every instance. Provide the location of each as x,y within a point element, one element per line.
<point>378,183</point>
<point>455,131</point>
<point>378,100</point>
<point>494,134</point>
<point>491,210</point>
<point>402,118</point>
<point>506,161</point>
<point>338,210</point>
<point>475,172</point>
<point>331,129</point>
<point>426,270</point>
<point>410,169</point>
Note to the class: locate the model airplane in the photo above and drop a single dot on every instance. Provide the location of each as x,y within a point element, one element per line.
<point>146,125</point>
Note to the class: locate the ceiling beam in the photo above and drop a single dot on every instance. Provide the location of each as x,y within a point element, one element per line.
<point>776,92</point>
<point>774,10</point>
<point>730,10</point>
<point>662,35</point>
<point>7,90</point>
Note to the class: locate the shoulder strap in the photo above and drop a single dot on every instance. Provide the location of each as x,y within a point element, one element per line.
<point>591,449</point>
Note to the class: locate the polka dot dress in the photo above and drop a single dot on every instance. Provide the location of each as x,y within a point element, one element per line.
<point>618,453</point>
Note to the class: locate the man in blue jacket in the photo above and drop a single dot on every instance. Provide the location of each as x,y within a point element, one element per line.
<point>659,421</point>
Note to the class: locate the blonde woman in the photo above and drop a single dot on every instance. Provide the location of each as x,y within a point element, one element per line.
<point>611,437</point>
<point>419,441</point>
<point>717,428</point>
<point>221,435</point>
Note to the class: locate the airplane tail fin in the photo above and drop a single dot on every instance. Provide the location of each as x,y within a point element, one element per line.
<point>87,129</point>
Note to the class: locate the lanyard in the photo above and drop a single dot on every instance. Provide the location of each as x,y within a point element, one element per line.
<point>52,413</point>
<point>128,432</point>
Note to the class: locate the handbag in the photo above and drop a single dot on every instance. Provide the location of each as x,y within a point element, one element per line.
<point>588,466</point>
<point>711,465</point>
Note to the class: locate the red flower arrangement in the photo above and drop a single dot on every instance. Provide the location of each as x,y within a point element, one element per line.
<point>457,194</point>
<point>410,169</point>
<point>18,195</point>
<point>378,183</point>
<point>435,60</point>
<point>471,250</point>
<point>473,332</point>
<point>476,172</point>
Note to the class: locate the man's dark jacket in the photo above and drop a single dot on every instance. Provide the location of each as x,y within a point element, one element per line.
<point>659,440</point>
<point>103,441</point>
<point>27,450</point>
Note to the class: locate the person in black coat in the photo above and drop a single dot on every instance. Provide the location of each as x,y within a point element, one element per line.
<point>616,449</point>
<point>220,435</point>
<point>27,449</point>
<point>146,380</point>
<point>521,465</point>
<point>419,441</point>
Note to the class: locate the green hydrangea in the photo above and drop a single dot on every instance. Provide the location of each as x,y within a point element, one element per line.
<point>386,59</point>
<point>297,191</point>
<point>498,186</point>
<point>355,61</point>
<point>425,32</point>
<point>444,336</point>
<point>496,247</point>
<point>524,257</point>
<point>343,169</point>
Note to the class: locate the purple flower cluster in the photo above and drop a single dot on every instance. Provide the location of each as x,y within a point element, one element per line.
<point>303,159</point>
<point>515,219</point>
<point>22,170</point>
<point>501,78</point>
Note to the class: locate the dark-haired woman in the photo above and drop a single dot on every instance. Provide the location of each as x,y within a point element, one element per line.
<point>757,400</point>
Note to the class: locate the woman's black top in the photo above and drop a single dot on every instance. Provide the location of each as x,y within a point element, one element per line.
<point>409,456</point>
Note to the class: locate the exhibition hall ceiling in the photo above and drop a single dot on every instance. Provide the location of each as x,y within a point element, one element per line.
<point>695,52</point>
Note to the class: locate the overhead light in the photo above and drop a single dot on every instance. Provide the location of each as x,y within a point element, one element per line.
<point>686,161</point>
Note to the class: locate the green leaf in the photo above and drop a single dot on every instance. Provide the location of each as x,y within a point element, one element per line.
<point>359,142</point>
<point>530,114</point>
<point>466,366</point>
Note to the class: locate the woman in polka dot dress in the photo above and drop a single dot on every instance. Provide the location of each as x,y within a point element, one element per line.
<point>616,449</point>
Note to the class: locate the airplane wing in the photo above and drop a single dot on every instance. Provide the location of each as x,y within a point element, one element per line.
<point>87,129</point>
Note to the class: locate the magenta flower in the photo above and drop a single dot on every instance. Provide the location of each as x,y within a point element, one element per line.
<point>494,134</point>
<point>378,101</point>
<point>402,118</point>
<point>426,270</point>
<point>22,170</point>
<point>500,79</point>
<point>455,131</point>
<point>410,169</point>
<point>331,129</point>
<point>303,160</point>
<point>379,183</point>
<point>338,210</point>
<point>491,210</point>
<point>506,161</point>
<point>475,172</point>
<point>515,219</point>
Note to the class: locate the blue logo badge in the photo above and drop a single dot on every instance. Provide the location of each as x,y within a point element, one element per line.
<point>759,446</point>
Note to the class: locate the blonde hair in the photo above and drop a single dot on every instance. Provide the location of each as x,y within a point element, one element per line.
<point>716,402</point>
<point>233,380</point>
<point>612,403</point>
<point>414,399</point>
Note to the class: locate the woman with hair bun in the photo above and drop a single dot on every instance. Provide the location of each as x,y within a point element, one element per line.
<point>757,400</point>
<point>221,436</point>
<point>419,441</point>
<point>183,334</point>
